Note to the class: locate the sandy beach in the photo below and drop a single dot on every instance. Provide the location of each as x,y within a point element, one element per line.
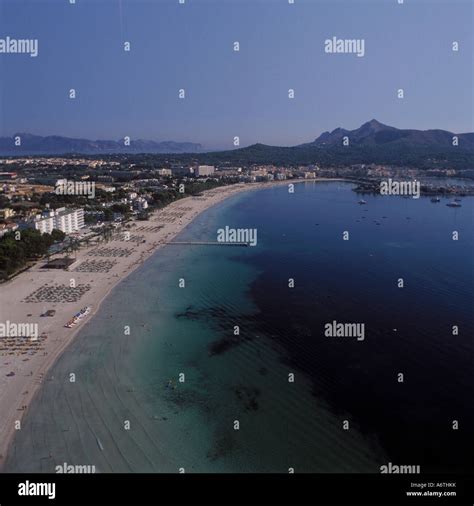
<point>97,269</point>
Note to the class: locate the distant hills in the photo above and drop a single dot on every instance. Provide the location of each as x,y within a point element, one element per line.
<point>374,133</point>
<point>373,142</point>
<point>57,145</point>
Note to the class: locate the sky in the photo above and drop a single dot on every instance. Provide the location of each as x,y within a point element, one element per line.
<point>229,93</point>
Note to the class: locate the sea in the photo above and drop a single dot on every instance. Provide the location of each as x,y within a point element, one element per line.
<point>216,358</point>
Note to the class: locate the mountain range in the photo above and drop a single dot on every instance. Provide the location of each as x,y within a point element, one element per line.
<point>372,142</point>
<point>374,133</point>
<point>58,145</point>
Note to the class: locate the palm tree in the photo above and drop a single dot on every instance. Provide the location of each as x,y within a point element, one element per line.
<point>109,233</point>
<point>75,246</point>
<point>67,248</point>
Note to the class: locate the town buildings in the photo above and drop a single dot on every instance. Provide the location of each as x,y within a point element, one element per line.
<point>66,220</point>
<point>204,170</point>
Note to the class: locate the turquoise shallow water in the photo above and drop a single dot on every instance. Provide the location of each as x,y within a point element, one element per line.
<point>189,331</point>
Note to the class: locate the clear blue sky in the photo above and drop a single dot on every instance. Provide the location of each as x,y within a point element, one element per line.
<point>246,94</point>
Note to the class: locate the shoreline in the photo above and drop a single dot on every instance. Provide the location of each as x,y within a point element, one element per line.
<point>17,391</point>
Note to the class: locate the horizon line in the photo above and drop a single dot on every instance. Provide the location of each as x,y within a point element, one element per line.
<point>205,148</point>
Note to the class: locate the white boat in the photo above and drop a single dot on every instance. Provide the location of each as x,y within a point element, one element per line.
<point>78,317</point>
<point>99,444</point>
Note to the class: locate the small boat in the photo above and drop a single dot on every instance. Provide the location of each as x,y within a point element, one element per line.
<point>99,444</point>
<point>78,316</point>
<point>435,199</point>
<point>171,385</point>
<point>453,204</point>
<point>362,201</point>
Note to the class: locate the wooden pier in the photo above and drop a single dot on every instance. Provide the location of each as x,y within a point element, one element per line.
<point>208,243</point>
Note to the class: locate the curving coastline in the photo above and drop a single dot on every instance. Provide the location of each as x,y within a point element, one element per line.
<point>30,362</point>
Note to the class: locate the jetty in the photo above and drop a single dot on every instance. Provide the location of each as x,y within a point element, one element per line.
<point>208,243</point>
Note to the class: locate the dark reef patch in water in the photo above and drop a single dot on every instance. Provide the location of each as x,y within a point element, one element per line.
<point>217,313</point>
<point>248,396</point>
<point>188,314</point>
<point>185,398</point>
<point>223,445</point>
<point>225,344</point>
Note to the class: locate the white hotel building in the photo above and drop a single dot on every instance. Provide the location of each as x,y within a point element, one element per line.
<point>204,170</point>
<point>66,220</point>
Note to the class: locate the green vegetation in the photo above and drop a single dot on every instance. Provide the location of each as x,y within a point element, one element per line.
<point>195,188</point>
<point>121,208</point>
<point>430,156</point>
<point>163,198</point>
<point>30,245</point>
